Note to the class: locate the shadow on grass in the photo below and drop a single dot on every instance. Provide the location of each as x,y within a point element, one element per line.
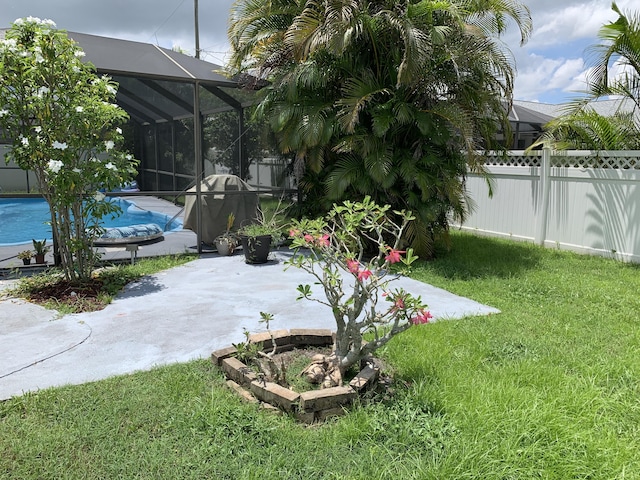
<point>482,257</point>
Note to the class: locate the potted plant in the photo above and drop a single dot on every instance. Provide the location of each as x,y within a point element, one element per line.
<point>257,237</point>
<point>40,249</point>
<point>227,242</point>
<point>25,256</point>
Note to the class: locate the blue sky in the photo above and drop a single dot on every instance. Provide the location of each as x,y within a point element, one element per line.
<point>551,66</point>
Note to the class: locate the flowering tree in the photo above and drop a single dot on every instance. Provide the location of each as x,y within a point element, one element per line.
<point>336,250</point>
<point>62,122</point>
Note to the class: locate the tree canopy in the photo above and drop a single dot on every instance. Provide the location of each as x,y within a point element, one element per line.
<point>63,124</point>
<point>382,98</point>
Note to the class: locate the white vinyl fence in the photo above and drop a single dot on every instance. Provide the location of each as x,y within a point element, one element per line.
<point>584,201</point>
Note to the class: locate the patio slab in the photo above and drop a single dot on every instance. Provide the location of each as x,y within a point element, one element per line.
<point>174,316</point>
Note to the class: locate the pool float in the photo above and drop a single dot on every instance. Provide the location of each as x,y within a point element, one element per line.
<point>131,234</point>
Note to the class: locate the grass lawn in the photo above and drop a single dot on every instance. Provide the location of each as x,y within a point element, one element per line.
<point>547,389</point>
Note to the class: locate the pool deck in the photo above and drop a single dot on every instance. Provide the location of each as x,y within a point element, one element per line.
<point>180,241</point>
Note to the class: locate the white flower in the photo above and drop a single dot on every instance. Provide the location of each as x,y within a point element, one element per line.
<point>119,130</point>
<point>99,196</point>
<point>37,128</point>
<point>39,58</point>
<point>111,166</point>
<point>9,43</point>
<point>79,53</point>
<point>79,109</point>
<point>48,21</point>
<point>77,170</point>
<point>55,165</point>
<point>75,69</point>
<point>18,21</point>
<point>24,140</point>
<point>59,146</point>
<point>33,20</point>
<point>109,145</point>
<point>111,90</point>
<point>3,112</point>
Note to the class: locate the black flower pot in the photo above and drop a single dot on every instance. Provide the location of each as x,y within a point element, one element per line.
<point>26,261</point>
<point>256,249</point>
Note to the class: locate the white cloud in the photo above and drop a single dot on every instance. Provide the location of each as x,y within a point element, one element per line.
<point>567,74</point>
<point>577,21</point>
<point>541,74</point>
<point>531,80</point>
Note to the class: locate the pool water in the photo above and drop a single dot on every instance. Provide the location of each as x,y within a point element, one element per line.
<point>24,219</point>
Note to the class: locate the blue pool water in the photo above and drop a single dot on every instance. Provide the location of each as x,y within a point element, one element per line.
<point>24,219</point>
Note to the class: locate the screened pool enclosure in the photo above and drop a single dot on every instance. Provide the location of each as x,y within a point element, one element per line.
<point>187,121</point>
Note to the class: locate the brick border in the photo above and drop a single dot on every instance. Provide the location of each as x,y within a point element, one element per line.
<point>307,407</point>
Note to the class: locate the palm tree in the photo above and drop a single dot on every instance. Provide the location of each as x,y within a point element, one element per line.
<point>584,128</point>
<point>379,98</point>
<point>621,44</point>
<point>581,126</point>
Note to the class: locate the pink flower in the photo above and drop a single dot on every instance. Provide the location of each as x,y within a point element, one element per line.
<point>294,232</point>
<point>353,266</point>
<point>398,304</point>
<point>323,241</point>
<point>308,238</point>
<point>423,316</point>
<point>364,274</point>
<point>394,255</point>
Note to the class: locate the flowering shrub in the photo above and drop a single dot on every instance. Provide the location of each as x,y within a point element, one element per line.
<point>63,124</point>
<point>336,248</point>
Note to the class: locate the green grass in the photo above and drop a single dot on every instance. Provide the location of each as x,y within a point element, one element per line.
<point>547,389</point>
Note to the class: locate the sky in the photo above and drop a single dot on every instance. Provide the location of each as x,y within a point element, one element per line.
<point>551,67</point>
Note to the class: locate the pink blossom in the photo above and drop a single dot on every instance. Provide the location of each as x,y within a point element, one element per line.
<point>353,266</point>
<point>394,255</point>
<point>423,316</point>
<point>323,241</point>
<point>294,232</point>
<point>308,238</point>
<point>364,274</point>
<point>398,304</point>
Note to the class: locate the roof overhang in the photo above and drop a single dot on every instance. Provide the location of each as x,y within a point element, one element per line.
<point>150,77</point>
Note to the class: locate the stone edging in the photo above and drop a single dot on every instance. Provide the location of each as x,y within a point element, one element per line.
<point>307,407</point>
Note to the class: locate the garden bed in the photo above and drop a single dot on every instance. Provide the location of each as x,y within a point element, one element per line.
<point>308,406</point>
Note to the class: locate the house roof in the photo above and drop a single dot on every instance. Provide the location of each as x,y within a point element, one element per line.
<point>606,107</point>
<point>123,57</point>
<point>523,114</point>
<point>156,84</point>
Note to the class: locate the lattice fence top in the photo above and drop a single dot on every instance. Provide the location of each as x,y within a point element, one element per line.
<point>514,159</point>
<point>616,160</point>
<point>625,160</point>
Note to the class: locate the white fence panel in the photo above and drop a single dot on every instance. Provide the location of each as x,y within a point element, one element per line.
<point>593,201</point>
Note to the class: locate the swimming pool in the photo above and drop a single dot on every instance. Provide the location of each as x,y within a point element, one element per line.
<point>22,219</point>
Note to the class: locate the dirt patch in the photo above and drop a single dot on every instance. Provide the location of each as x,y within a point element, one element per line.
<point>77,298</point>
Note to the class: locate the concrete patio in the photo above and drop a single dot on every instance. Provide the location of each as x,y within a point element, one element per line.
<point>174,316</point>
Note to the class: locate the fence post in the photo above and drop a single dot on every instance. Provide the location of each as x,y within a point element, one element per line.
<point>545,181</point>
